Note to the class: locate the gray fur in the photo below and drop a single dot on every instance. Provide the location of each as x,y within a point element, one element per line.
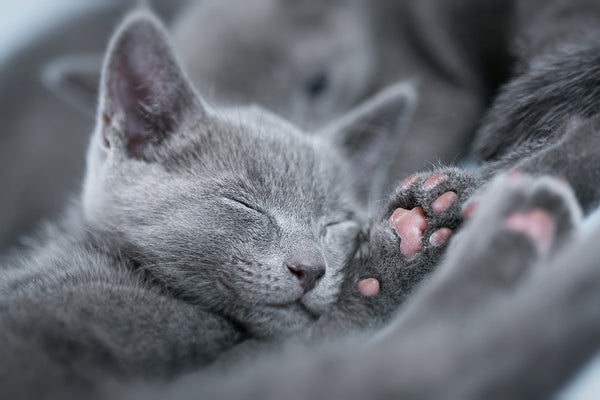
<point>310,61</point>
<point>545,120</point>
<point>435,333</point>
<point>313,61</point>
<point>182,244</point>
<point>497,320</point>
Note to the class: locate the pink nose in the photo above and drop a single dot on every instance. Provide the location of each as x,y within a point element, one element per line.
<point>308,275</point>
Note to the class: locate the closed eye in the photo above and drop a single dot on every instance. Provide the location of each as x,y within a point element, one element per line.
<point>345,224</point>
<point>242,203</point>
<point>247,206</point>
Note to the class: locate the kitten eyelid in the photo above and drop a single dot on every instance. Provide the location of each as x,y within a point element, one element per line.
<point>245,204</point>
<point>349,217</point>
<point>329,224</point>
<point>325,227</point>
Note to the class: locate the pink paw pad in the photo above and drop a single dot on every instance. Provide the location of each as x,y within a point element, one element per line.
<point>563,182</point>
<point>440,237</point>
<point>536,224</point>
<point>368,287</point>
<point>515,176</point>
<point>409,181</point>
<point>470,210</point>
<point>444,202</point>
<point>409,225</point>
<point>434,181</point>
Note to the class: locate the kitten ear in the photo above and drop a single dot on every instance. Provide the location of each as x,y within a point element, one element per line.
<point>144,94</point>
<point>75,79</point>
<point>370,135</point>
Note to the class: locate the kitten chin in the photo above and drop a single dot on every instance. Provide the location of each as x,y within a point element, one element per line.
<point>278,322</point>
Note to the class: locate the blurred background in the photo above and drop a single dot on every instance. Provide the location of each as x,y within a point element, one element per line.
<point>22,21</point>
<point>42,137</point>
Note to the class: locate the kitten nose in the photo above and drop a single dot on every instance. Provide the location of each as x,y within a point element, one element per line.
<point>308,275</point>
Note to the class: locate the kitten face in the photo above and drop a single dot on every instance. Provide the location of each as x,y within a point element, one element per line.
<point>222,213</point>
<point>315,58</point>
<point>233,209</point>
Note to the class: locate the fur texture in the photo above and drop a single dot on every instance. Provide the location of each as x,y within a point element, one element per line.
<point>310,63</point>
<point>499,319</point>
<point>225,227</point>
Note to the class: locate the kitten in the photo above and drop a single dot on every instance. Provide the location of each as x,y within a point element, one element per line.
<point>505,316</point>
<point>198,230</point>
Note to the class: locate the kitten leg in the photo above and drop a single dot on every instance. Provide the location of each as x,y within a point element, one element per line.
<point>574,157</point>
<point>402,247</point>
<point>420,218</point>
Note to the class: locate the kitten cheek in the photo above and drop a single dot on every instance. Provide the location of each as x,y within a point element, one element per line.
<point>368,287</point>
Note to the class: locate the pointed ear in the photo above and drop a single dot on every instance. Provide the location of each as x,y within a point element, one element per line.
<point>144,94</point>
<point>75,79</point>
<point>370,135</point>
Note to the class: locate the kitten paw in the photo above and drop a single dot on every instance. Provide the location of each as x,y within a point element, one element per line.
<point>537,225</point>
<point>427,208</point>
<point>368,287</point>
<point>517,220</point>
<point>543,209</point>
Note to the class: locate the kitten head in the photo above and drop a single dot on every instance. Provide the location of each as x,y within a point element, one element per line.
<point>309,58</point>
<point>233,209</point>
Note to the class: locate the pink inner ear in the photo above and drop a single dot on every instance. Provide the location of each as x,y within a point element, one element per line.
<point>128,89</point>
<point>146,93</point>
<point>136,143</point>
<point>105,129</point>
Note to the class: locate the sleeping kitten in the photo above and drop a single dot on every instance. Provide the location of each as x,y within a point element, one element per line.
<point>506,315</point>
<point>198,230</point>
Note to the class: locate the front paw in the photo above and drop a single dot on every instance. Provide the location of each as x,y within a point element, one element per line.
<point>426,209</point>
<point>408,241</point>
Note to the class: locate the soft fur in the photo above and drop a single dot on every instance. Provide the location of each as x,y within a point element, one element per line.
<point>197,230</point>
<point>498,320</point>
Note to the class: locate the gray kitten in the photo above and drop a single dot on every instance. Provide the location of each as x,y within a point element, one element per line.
<point>198,230</point>
<point>506,315</point>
